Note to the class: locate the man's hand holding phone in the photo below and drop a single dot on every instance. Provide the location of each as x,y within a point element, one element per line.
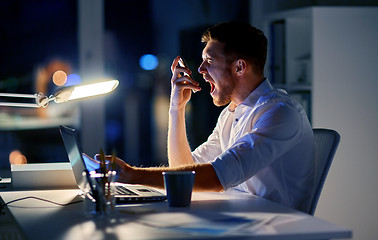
<point>182,84</point>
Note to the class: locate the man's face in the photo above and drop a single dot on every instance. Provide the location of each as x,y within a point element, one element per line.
<point>216,71</point>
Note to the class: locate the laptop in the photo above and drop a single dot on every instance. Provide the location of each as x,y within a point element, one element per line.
<point>125,193</point>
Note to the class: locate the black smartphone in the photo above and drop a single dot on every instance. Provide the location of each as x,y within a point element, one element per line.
<point>183,64</point>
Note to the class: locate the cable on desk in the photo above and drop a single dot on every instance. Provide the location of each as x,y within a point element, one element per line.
<point>41,199</point>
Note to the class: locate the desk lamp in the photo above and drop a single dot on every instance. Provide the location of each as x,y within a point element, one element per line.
<point>64,94</point>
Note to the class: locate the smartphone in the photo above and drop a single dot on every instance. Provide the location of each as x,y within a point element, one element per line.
<point>183,64</point>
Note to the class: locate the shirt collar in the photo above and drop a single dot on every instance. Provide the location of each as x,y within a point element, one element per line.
<point>261,90</point>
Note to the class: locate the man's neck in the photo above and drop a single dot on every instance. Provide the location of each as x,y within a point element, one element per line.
<point>232,106</point>
<point>244,89</point>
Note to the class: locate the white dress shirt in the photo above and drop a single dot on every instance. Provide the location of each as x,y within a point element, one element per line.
<point>265,147</point>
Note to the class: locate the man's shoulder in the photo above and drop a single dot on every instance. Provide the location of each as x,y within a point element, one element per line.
<point>279,104</point>
<point>276,93</point>
<point>273,97</point>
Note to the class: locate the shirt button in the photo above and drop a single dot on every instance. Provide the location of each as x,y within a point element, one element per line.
<point>237,119</point>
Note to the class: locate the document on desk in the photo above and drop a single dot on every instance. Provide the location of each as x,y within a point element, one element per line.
<point>206,223</point>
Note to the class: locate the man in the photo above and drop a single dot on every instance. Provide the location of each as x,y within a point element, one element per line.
<point>263,141</point>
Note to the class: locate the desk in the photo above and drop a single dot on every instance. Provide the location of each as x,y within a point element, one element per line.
<point>41,220</point>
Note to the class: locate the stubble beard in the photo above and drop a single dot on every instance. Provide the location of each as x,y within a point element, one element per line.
<point>225,90</point>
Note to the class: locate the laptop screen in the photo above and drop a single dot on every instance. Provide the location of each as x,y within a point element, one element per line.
<point>70,140</point>
<point>80,163</point>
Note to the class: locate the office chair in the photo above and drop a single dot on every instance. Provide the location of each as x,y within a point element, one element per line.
<point>326,143</point>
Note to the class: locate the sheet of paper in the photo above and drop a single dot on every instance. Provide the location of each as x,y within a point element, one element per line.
<point>205,223</point>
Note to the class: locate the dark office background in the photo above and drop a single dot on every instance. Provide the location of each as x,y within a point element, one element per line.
<point>33,32</point>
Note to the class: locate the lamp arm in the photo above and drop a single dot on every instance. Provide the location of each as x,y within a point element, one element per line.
<point>19,104</point>
<point>42,100</point>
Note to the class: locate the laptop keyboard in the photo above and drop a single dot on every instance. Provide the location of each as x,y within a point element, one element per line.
<point>121,190</point>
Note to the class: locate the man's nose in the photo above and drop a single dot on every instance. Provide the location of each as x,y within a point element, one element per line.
<point>201,68</point>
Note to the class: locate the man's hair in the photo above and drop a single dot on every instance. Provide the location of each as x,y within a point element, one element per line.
<point>242,41</point>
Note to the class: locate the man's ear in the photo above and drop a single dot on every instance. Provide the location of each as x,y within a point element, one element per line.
<point>240,67</point>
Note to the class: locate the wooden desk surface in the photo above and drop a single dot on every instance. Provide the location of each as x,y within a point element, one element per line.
<point>43,220</point>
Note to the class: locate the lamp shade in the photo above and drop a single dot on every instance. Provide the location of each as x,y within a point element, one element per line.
<point>85,90</point>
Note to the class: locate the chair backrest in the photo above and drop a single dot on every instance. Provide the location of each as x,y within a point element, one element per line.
<point>326,143</point>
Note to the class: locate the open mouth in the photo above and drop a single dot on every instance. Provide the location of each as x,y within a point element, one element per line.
<point>211,82</point>
<point>212,87</point>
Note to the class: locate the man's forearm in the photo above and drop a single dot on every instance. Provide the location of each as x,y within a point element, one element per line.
<point>205,178</point>
<point>179,152</point>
